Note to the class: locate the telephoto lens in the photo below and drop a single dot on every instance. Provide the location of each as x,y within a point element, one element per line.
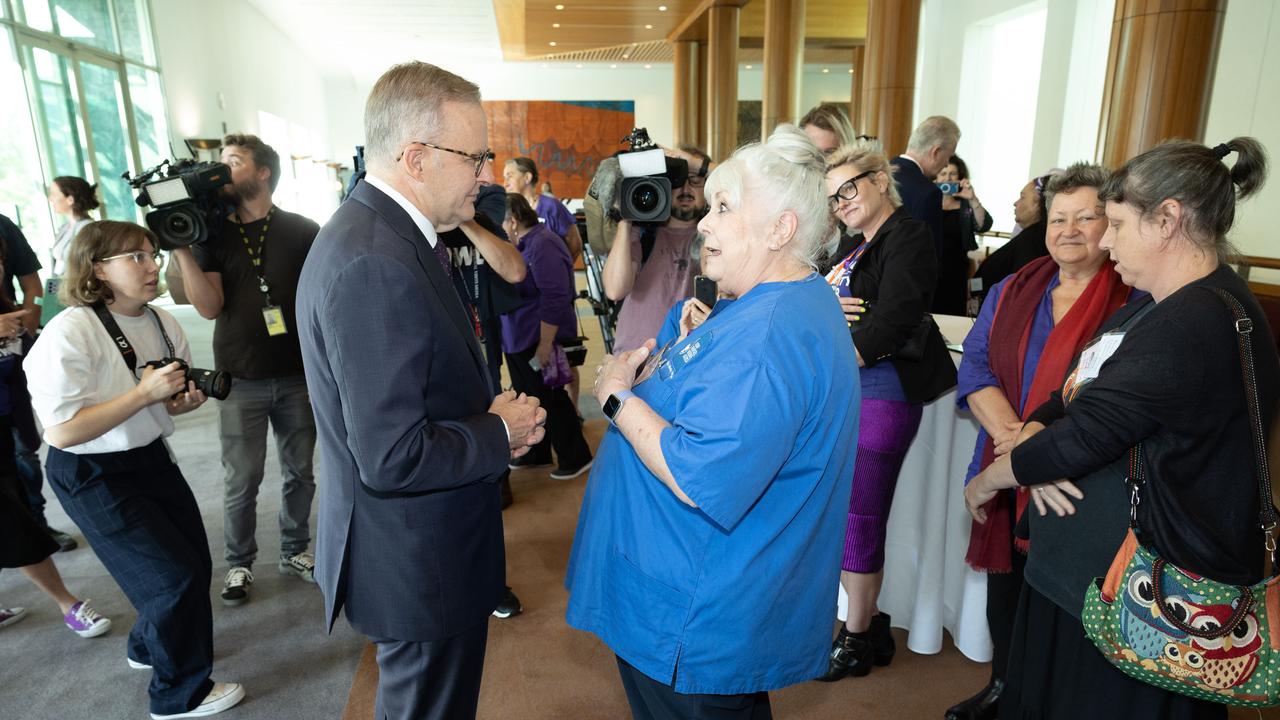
<point>214,383</point>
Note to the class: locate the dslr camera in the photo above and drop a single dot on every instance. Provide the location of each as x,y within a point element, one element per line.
<point>186,209</point>
<point>648,178</point>
<point>214,383</point>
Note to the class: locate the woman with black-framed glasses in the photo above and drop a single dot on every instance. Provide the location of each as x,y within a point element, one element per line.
<point>885,286</point>
<point>105,412</point>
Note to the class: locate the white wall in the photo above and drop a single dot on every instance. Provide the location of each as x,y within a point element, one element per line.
<point>1246,101</point>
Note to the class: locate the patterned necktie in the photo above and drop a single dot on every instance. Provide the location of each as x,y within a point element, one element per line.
<point>442,254</point>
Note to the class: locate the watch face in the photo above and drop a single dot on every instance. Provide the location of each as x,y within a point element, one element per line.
<point>611,406</point>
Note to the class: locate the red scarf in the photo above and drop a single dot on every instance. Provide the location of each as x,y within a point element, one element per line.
<point>989,546</point>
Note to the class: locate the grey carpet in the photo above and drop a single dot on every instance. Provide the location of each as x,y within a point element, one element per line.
<point>275,644</point>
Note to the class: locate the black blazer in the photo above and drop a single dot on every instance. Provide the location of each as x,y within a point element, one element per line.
<point>409,533</point>
<point>897,275</point>
<point>920,197</point>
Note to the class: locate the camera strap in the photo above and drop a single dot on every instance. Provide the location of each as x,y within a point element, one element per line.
<point>121,341</point>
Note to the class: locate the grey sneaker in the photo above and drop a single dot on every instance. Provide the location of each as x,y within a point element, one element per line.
<point>302,565</point>
<point>235,586</point>
<point>85,621</point>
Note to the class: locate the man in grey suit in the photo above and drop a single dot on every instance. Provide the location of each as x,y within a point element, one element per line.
<point>411,440</point>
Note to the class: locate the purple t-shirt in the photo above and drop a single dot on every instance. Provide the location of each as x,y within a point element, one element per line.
<point>554,215</point>
<point>665,279</point>
<point>547,291</point>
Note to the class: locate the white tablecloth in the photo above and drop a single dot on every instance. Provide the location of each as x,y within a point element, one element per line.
<point>927,585</point>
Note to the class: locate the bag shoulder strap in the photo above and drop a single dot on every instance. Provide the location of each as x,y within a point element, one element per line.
<point>1267,516</point>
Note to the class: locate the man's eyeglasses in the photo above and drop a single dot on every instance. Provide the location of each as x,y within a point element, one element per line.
<point>139,257</point>
<point>479,158</point>
<point>847,191</point>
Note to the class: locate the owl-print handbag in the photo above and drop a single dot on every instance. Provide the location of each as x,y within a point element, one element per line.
<point>1182,632</point>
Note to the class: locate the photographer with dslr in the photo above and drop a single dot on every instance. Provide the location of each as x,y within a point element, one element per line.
<point>106,413</point>
<point>652,266</point>
<point>246,277</point>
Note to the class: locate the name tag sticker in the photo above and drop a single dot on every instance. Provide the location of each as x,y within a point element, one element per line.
<point>1093,357</point>
<point>274,318</point>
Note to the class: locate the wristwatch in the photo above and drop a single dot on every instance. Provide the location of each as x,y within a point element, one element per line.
<point>613,405</point>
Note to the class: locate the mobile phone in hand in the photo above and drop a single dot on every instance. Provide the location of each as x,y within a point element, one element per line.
<point>704,290</point>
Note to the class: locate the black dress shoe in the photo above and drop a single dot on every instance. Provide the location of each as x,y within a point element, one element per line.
<point>851,654</point>
<point>882,639</point>
<point>983,706</point>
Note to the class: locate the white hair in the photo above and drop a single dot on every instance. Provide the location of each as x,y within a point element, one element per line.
<point>937,130</point>
<point>404,106</point>
<point>786,172</point>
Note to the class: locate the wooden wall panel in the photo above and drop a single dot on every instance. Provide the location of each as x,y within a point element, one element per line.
<point>855,93</point>
<point>783,62</point>
<point>722,80</point>
<point>685,101</point>
<point>1159,74</point>
<point>888,88</point>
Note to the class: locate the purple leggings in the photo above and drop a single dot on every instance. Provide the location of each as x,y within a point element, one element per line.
<point>886,430</point>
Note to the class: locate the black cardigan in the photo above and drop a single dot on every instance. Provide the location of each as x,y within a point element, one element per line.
<point>897,275</point>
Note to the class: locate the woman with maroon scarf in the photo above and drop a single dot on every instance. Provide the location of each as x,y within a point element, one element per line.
<point>1031,326</point>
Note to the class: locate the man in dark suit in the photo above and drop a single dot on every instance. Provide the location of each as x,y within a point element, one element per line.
<point>411,438</point>
<point>928,151</point>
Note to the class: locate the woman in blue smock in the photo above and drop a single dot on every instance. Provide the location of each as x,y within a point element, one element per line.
<point>703,556</point>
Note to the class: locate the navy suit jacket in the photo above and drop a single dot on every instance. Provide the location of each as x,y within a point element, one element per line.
<point>409,536</point>
<point>921,198</point>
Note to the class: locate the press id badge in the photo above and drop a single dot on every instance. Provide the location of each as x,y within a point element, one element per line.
<point>273,316</point>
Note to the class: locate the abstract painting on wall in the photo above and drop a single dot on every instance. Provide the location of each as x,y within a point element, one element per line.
<point>567,139</point>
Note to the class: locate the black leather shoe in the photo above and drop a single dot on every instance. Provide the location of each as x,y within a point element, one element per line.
<point>983,706</point>
<point>851,654</point>
<point>882,639</point>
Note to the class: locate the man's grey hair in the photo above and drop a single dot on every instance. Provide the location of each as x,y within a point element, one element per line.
<point>404,106</point>
<point>1078,175</point>
<point>936,130</point>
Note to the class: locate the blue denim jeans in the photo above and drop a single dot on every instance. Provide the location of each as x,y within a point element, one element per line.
<point>243,419</point>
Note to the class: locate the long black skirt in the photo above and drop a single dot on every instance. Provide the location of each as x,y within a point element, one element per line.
<point>1056,672</point>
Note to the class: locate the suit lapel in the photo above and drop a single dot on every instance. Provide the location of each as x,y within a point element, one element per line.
<point>443,286</point>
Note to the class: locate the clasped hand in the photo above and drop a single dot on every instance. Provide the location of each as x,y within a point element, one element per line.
<point>526,421</point>
<point>999,476</point>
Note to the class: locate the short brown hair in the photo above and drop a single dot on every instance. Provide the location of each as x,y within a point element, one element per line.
<point>95,241</point>
<point>263,154</point>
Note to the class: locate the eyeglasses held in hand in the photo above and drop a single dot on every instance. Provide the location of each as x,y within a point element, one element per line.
<point>139,257</point>
<point>479,158</point>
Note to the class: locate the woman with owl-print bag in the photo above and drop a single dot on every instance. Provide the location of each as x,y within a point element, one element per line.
<point>1165,375</point>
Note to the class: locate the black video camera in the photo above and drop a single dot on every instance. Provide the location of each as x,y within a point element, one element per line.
<point>648,179</point>
<point>185,202</point>
<point>214,383</point>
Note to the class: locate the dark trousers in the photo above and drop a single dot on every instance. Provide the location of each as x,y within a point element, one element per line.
<point>1003,590</point>
<point>26,439</point>
<point>564,427</point>
<point>652,700</point>
<point>437,680</point>
<point>138,513</point>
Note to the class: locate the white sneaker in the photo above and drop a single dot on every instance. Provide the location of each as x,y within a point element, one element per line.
<point>302,565</point>
<point>135,664</point>
<point>223,696</point>
<point>235,586</point>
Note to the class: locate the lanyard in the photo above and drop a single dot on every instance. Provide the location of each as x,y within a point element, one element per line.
<point>258,256</point>
<point>845,268</point>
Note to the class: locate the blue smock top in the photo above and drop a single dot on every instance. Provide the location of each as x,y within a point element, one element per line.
<point>737,594</point>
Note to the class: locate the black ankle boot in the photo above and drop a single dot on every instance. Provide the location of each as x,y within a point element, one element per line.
<point>882,639</point>
<point>851,654</point>
<point>983,706</point>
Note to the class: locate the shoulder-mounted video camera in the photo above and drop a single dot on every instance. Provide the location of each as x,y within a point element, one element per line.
<point>648,178</point>
<point>186,207</point>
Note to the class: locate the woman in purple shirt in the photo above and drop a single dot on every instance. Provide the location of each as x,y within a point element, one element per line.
<point>1031,325</point>
<point>520,176</point>
<point>532,332</point>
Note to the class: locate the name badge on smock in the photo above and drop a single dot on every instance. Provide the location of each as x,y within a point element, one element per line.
<point>273,316</point>
<point>1092,358</point>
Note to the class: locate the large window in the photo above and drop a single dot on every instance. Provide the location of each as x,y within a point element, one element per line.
<point>95,107</point>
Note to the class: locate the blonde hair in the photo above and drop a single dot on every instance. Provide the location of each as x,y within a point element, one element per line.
<point>405,105</point>
<point>833,119</point>
<point>95,241</point>
<point>866,156</point>
<point>786,173</point>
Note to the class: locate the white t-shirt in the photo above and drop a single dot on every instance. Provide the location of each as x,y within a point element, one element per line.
<point>74,364</point>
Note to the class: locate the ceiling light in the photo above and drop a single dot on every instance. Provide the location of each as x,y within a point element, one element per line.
<point>555,25</point>
<point>648,27</point>
<point>625,56</point>
<point>559,7</point>
<point>579,64</point>
<point>748,67</point>
<point>646,67</point>
<point>662,8</point>
<point>613,66</point>
<point>850,71</point>
<point>825,70</point>
<point>552,43</point>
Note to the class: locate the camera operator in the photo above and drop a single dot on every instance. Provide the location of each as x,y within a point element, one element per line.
<point>247,278</point>
<point>106,408</point>
<point>653,266</point>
